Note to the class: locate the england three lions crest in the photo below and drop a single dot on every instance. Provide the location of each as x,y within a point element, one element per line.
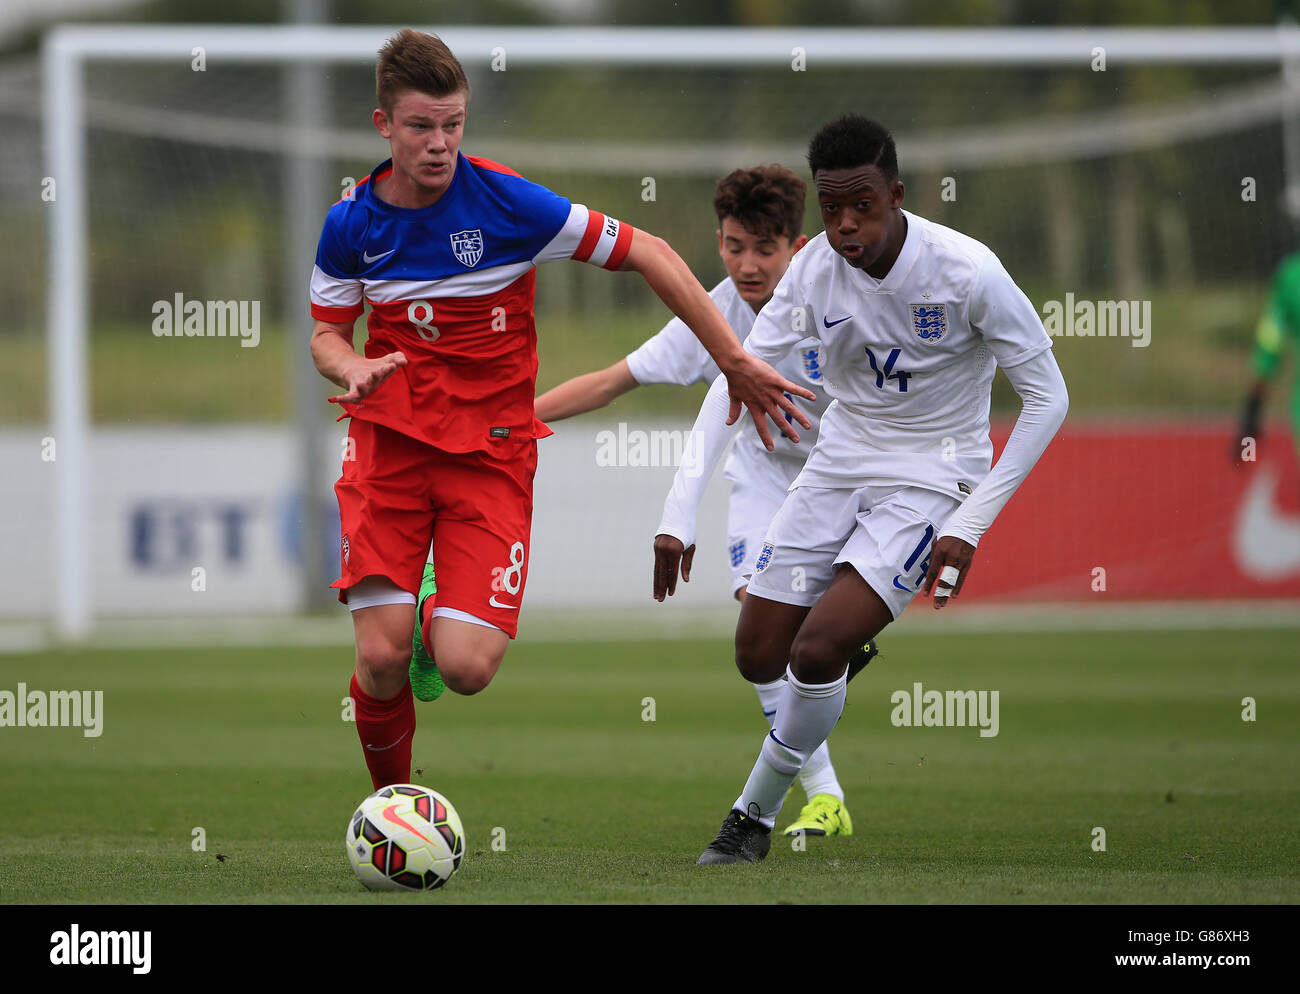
<point>468,246</point>
<point>929,321</point>
<point>812,367</point>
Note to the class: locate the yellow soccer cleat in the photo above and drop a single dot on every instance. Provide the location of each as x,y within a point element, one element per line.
<point>822,815</point>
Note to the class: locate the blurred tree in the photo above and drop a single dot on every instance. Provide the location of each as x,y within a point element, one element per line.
<point>344,12</point>
<point>935,13</point>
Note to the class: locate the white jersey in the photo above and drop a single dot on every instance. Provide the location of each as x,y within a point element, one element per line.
<point>675,355</point>
<point>909,360</point>
<point>801,365</point>
<point>765,476</point>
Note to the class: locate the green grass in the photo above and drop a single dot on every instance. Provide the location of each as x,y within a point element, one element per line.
<point>1140,734</point>
<point>1197,363</point>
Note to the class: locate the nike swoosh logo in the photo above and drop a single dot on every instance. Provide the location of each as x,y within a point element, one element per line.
<point>832,324</point>
<point>509,607</point>
<point>396,819</point>
<point>375,258</point>
<point>901,587</point>
<point>1265,541</point>
<point>387,747</point>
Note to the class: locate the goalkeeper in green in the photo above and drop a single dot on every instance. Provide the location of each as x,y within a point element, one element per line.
<point>1279,326</point>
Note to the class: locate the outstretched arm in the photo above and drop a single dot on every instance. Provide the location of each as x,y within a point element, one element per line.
<point>1267,357</point>
<point>751,382</point>
<point>675,538</point>
<point>1250,419</point>
<point>1044,402</point>
<point>584,393</point>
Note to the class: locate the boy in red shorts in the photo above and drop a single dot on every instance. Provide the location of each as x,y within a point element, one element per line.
<point>443,436</point>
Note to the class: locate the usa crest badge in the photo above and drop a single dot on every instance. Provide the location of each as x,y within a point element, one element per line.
<point>929,321</point>
<point>468,246</point>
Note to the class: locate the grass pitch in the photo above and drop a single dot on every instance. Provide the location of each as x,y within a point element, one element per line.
<point>213,380</point>
<point>1139,734</point>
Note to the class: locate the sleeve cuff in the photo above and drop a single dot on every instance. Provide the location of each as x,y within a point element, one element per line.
<point>336,315</point>
<point>683,534</point>
<point>957,531</point>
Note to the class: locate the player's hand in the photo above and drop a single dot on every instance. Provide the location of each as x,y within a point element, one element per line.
<point>364,376</point>
<point>668,554</point>
<point>766,393</point>
<point>1237,446</point>
<point>953,555</point>
<point>1249,427</point>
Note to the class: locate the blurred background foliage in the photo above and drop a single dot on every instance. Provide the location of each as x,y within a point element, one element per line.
<point>189,181</point>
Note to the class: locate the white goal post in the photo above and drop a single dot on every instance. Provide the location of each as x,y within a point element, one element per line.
<point>68,49</point>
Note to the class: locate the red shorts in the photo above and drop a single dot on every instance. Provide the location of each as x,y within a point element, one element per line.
<point>397,495</point>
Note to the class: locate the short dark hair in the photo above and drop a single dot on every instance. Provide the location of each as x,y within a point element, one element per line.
<point>767,200</point>
<point>852,141</point>
<point>413,60</point>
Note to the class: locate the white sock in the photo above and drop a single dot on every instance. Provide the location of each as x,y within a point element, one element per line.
<point>805,716</point>
<point>769,695</point>
<point>818,774</point>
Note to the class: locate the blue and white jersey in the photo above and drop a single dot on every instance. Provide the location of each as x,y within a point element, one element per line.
<point>489,228</point>
<point>451,285</point>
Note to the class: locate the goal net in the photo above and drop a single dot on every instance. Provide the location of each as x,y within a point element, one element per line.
<point>1132,168</point>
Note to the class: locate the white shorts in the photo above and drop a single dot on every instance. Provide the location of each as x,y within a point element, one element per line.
<point>757,493</point>
<point>883,532</point>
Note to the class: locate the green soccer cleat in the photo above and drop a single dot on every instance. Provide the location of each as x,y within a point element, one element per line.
<point>822,815</point>
<point>426,681</point>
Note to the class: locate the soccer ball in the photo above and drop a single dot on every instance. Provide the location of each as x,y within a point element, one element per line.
<point>405,837</point>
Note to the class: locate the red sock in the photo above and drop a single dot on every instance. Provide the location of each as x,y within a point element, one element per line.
<point>386,729</point>
<point>427,633</point>
<point>426,623</point>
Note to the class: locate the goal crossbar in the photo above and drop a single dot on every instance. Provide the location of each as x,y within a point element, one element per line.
<point>67,50</point>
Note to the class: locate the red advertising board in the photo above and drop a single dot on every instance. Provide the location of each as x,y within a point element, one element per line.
<point>1158,506</point>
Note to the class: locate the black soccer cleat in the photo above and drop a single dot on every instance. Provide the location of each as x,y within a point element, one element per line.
<point>859,659</point>
<point>741,839</point>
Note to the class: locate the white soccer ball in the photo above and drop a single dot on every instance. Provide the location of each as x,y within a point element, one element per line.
<point>405,837</point>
